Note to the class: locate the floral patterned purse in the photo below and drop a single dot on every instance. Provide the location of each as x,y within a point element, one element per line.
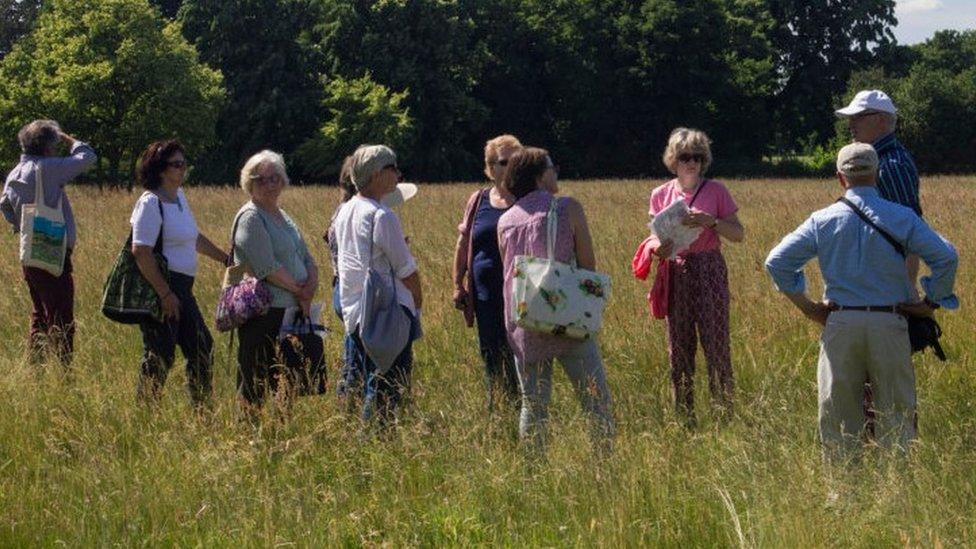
<point>242,297</point>
<point>557,298</point>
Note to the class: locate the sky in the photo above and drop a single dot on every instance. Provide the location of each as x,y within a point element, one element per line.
<point>919,19</point>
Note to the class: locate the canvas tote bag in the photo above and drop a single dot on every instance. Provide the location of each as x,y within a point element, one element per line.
<point>43,233</point>
<point>385,329</point>
<point>557,298</point>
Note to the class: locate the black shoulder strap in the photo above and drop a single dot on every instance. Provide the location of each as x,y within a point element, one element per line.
<point>158,248</point>
<point>891,240</point>
<point>700,187</point>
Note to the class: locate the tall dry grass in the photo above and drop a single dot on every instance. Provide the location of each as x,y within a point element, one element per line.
<point>81,464</point>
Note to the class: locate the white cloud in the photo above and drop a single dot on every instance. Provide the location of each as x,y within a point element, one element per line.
<point>917,6</point>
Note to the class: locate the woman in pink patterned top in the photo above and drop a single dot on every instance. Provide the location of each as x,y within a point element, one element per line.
<point>531,179</point>
<point>698,306</point>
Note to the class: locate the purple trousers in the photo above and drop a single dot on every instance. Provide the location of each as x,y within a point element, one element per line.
<point>52,326</point>
<point>699,310</point>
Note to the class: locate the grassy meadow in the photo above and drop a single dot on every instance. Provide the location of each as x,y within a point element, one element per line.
<point>82,464</point>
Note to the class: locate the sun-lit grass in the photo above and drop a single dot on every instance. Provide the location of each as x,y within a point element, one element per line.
<point>81,464</point>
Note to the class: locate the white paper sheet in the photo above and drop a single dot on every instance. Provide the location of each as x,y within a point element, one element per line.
<point>667,225</point>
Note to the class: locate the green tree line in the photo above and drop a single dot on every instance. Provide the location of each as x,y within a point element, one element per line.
<point>599,82</point>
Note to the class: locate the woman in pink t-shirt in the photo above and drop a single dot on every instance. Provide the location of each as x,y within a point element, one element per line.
<point>698,304</point>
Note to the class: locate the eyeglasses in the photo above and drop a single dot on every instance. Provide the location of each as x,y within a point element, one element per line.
<point>266,179</point>
<point>553,167</point>
<point>501,162</point>
<point>178,164</point>
<point>392,167</point>
<point>686,158</point>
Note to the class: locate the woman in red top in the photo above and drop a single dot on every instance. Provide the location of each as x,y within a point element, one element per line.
<point>698,306</point>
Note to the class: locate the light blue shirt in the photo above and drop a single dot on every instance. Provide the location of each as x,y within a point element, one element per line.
<point>859,266</point>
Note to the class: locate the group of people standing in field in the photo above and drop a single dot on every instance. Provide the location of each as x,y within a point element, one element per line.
<point>864,371</point>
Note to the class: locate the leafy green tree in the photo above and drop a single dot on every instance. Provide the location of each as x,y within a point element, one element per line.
<point>16,18</point>
<point>115,73</point>
<point>359,111</point>
<point>819,43</point>
<point>270,73</point>
<point>427,48</point>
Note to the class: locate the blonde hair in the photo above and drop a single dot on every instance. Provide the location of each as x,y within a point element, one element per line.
<point>687,140</point>
<point>262,158</point>
<point>494,146</point>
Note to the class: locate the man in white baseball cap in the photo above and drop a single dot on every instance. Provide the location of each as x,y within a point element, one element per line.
<point>872,117</point>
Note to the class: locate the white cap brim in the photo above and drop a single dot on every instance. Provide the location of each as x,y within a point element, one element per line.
<point>850,110</point>
<point>403,192</point>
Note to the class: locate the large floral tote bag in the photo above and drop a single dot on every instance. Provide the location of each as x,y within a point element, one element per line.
<point>557,298</point>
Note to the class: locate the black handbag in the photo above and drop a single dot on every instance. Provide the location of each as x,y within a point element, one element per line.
<point>128,298</point>
<point>923,331</point>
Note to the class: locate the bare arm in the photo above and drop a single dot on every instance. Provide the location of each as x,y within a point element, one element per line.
<point>585,256</point>
<point>412,283</point>
<point>146,262</point>
<point>209,249</point>
<point>813,310</point>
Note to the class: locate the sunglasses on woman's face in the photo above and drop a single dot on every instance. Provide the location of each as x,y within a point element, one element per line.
<point>686,158</point>
<point>178,164</point>
<point>502,162</point>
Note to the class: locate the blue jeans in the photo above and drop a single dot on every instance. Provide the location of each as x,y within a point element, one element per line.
<point>385,391</point>
<point>352,373</point>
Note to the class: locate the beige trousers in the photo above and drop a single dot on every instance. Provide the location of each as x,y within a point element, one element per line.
<point>854,346</point>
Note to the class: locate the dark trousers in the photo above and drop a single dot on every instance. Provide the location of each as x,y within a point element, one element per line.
<point>52,325</point>
<point>159,341</point>
<point>385,391</point>
<point>294,364</point>
<point>501,375</point>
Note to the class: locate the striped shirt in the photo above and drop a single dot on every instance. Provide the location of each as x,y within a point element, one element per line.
<point>897,174</point>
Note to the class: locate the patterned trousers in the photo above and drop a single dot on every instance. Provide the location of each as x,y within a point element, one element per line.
<point>698,308</point>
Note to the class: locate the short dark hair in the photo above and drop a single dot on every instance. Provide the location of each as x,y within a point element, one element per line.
<point>37,137</point>
<point>525,167</point>
<point>153,162</point>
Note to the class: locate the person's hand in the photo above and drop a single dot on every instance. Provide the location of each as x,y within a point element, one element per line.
<point>460,298</point>
<point>171,306</point>
<point>65,138</point>
<point>665,249</point>
<point>917,308</point>
<point>306,305</point>
<point>818,312</point>
<point>306,292</point>
<point>697,218</point>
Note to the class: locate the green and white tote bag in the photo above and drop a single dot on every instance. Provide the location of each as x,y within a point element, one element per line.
<point>43,233</point>
<point>557,298</point>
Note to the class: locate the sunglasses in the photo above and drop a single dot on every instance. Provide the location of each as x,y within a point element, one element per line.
<point>686,158</point>
<point>503,162</point>
<point>266,180</point>
<point>178,164</point>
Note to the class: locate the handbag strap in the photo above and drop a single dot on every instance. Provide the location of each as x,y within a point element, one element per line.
<point>158,247</point>
<point>372,227</point>
<point>899,247</point>
<point>697,192</point>
<point>552,222</point>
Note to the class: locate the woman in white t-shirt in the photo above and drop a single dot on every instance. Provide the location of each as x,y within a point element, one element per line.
<point>362,226</point>
<point>163,209</point>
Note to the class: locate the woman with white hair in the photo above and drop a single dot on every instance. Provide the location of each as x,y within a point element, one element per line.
<point>369,235</point>
<point>269,243</point>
